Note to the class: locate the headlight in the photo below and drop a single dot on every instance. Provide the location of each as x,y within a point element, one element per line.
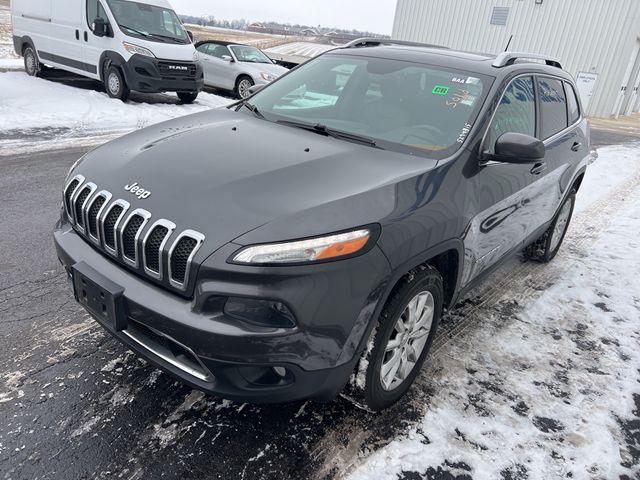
<point>267,76</point>
<point>196,56</point>
<point>302,251</point>
<point>131,48</point>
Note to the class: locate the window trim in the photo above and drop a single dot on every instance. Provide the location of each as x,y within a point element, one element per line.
<point>495,110</point>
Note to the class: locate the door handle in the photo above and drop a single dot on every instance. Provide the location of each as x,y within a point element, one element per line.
<point>77,34</point>
<point>538,168</point>
<point>576,146</point>
<point>86,36</point>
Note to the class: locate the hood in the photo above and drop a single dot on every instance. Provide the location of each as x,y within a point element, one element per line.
<point>166,51</point>
<point>225,173</point>
<point>271,68</point>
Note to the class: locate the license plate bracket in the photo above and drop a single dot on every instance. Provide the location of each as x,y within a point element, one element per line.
<point>103,298</point>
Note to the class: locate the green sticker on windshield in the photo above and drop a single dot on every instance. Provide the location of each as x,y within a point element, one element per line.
<point>440,90</point>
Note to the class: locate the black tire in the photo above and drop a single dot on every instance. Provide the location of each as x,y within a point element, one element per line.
<point>243,83</point>
<point>373,394</point>
<point>32,64</point>
<point>547,246</point>
<point>187,97</point>
<point>115,84</point>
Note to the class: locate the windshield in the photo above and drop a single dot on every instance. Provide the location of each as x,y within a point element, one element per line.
<point>401,106</point>
<point>249,54</point>
<point>146,21</point>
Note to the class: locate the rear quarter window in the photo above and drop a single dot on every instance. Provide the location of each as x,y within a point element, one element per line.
<point>553,106</point>
<point>573,107</point>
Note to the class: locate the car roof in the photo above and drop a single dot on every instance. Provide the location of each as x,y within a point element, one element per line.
<point>456,59</point>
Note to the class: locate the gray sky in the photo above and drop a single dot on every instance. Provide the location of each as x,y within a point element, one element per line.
<point>372,15</point>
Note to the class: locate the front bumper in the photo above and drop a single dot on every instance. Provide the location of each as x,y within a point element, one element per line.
<point>193,340</point>
<point>152,75</point>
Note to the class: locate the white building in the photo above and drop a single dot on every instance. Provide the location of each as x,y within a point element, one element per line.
<point>598,41</point>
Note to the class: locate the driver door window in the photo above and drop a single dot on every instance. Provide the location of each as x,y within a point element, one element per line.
<point>516,112</point>
<point>218,51</point>
<point>94,10</point>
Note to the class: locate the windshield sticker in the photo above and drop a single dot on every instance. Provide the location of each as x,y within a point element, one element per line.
<point>464,133</point>
<point>440,90</point>
<point>459,80</point>
<point>473,81</point>
<point>462,97</point>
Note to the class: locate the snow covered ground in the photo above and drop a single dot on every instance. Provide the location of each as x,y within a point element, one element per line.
<point>546,385</point>
<point>37,113</point>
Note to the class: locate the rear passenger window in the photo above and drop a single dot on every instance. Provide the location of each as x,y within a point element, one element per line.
<point>553,106</point>
<point>572,103</point>
<point>515,114</point>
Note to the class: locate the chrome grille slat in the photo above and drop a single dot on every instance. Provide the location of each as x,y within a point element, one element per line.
<point>80,200</point>
<point>139,218</point>
<point>69,190</point>
<point>94,209</point>
<point>109,233</point>
<point>148,249</point>
<point>176,278</point>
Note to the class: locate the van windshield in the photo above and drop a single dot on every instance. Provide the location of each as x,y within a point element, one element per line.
<point>397,105</point>
<point>156,24</point>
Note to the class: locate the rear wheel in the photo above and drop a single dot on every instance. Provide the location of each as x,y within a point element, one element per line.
<point>31,63</point>
<point>243,84</point>
<point>401,340</point>
<point>547,246</point>
<point>115,84</point>
<point>187,97</point>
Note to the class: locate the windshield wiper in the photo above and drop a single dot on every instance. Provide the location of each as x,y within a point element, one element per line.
<point>252,108</point>
<point>330,132</point>
<point>136,31</point>
<point>156,35</point>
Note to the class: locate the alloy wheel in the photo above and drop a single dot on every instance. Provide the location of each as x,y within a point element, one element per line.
<point>114,84</point>
<point>560,226</point>
<point>407,340</point>
<point>243,88</point>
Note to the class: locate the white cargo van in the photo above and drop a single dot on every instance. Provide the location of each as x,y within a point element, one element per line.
<point>129,45</point>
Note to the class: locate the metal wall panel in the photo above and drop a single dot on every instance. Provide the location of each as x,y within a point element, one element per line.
<point>591,36</point>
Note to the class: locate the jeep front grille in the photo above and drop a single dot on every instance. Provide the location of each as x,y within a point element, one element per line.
<point>153,250</point>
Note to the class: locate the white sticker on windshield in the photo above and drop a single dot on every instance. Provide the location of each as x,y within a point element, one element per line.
<point>464,133</point>
<point>473,81</point>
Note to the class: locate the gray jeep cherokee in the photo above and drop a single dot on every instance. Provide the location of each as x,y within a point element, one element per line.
<point>306,240</point>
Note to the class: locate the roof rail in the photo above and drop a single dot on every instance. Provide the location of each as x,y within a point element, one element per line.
<point>509,58</point>
<point>376,42</point>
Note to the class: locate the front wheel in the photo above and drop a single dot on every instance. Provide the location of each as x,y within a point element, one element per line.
<point>546,247</point>
<point>401,340</point>
<point>31,63</point>
<point>115,84</point>
<point>187,97</point>
<point>243,86</point>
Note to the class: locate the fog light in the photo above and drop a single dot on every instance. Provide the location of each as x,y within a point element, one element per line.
<point>265,313</point>
<point>280,371</point>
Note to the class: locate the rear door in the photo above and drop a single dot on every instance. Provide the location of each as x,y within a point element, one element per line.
<point>66,38</point>
<point>564,141</point>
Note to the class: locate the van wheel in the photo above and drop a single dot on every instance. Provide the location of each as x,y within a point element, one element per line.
<point>31,63</point>
<point>187,97</point>
<point>243,84</point>
<point>401,341</point>
<point>546,247</point>
<point>115,84</point>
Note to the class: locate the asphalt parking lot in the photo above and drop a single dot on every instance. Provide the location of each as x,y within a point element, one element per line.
<point>75,404</point>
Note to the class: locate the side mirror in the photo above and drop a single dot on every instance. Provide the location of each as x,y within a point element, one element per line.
<point>256,88</point>
<point>517,148</point>
<point>227,58</point>
<point>100,27</point>
<point>190,33</point>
